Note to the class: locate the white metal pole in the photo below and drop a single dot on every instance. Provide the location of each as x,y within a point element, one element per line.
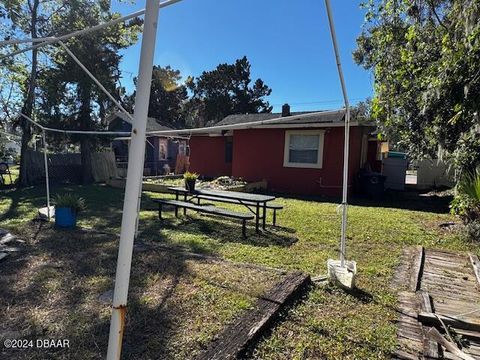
<point>347,135</point>
<point>45,158</point>
<point>134,172</point>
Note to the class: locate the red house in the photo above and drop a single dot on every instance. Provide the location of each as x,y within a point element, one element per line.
<point>300,156</point>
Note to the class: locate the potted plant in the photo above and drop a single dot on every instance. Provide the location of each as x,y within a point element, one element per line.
<point>190,179</point>
<point>67,207</point>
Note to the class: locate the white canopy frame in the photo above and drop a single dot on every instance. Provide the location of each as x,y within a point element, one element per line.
<point>53,39</point>
<point>137,149</point>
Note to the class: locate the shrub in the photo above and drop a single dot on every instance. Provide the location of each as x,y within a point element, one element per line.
<point>473,230</point>
<point>190,176</point>
<point>70,201</point>
<point>466,203</point>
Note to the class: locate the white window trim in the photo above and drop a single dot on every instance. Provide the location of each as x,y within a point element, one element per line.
<point>286,153</point>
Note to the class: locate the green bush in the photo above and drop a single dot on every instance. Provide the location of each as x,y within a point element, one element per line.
<point>466,202</point>
<point>473,230</point>
<point>70,201</point>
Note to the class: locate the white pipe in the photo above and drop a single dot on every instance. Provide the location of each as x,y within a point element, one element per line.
<point>79,132</point>
<point>87,30</point>
<point>347,135</point>
<point>47,184</point>
<point>249,125</point>
<point>22,41</point>
<point>133,185</point>
<point>32,121</point>
<point>95,80</point>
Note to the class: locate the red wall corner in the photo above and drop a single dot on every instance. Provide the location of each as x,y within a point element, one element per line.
<point>207,156</point>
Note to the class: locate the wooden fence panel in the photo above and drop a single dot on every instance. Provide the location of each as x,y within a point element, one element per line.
<point>104,167</point>
<point>68,167</point>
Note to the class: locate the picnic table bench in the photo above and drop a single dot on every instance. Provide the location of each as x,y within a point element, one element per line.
<point>255,203</point>
<point>205,209</point>
<point>271,206</point>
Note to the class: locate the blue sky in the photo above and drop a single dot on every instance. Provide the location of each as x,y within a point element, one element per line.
<point>287,43</point>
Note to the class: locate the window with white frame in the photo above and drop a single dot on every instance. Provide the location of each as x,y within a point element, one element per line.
<point>303,148</point>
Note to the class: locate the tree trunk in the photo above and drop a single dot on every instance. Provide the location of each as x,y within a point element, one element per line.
<point>86,156</point>
<point>24,161</point>
<point>85,121</point>
<point>27,108</point>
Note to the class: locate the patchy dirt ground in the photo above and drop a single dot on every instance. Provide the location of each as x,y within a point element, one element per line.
<point>59,286</point>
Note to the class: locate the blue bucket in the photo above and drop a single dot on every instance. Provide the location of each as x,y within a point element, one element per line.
<point>65,218</point>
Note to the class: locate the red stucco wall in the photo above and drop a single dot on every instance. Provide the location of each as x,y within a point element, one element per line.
<point>258,154</point>
<point>207,156</point>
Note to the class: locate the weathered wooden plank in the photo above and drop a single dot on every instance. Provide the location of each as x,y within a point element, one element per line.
<point>417,268</point>
<point>236,339</point>
<point>445,253</point>
<point>435,335</point>
<point>430,347</point>
<point>431,319</point>
<point>476,266</point>
<point>471,335</point>
<point>403,355</point>
<point>460,275</point>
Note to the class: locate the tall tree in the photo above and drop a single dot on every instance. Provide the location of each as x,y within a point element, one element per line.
<point>71,99</point>
<point>425,57</point>
<point>30,19</point>
<point>167,97</point>
<point>227,90</point>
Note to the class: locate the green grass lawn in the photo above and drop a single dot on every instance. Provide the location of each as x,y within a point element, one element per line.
<point>327,322</point>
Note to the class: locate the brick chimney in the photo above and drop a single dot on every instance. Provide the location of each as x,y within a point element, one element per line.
<point>286,110</point>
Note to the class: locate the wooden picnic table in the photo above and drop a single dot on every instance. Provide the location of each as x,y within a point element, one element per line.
<point>257,204</point>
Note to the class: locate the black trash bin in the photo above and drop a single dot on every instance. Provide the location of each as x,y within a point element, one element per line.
<point>372,184</point>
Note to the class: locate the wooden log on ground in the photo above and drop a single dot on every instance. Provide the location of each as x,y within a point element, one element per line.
<point>431,319</point>
<point>235,340</point>
<point>476,266</point>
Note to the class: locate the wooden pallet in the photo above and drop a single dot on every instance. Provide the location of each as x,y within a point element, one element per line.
<point>442,288</point>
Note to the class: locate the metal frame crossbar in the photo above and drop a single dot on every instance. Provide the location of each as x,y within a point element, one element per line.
<point>53,39</point>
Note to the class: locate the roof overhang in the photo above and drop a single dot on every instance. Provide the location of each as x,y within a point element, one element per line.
<point>278,126</point>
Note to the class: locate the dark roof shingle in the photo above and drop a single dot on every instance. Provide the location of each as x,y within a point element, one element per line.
<point>328,117</point>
